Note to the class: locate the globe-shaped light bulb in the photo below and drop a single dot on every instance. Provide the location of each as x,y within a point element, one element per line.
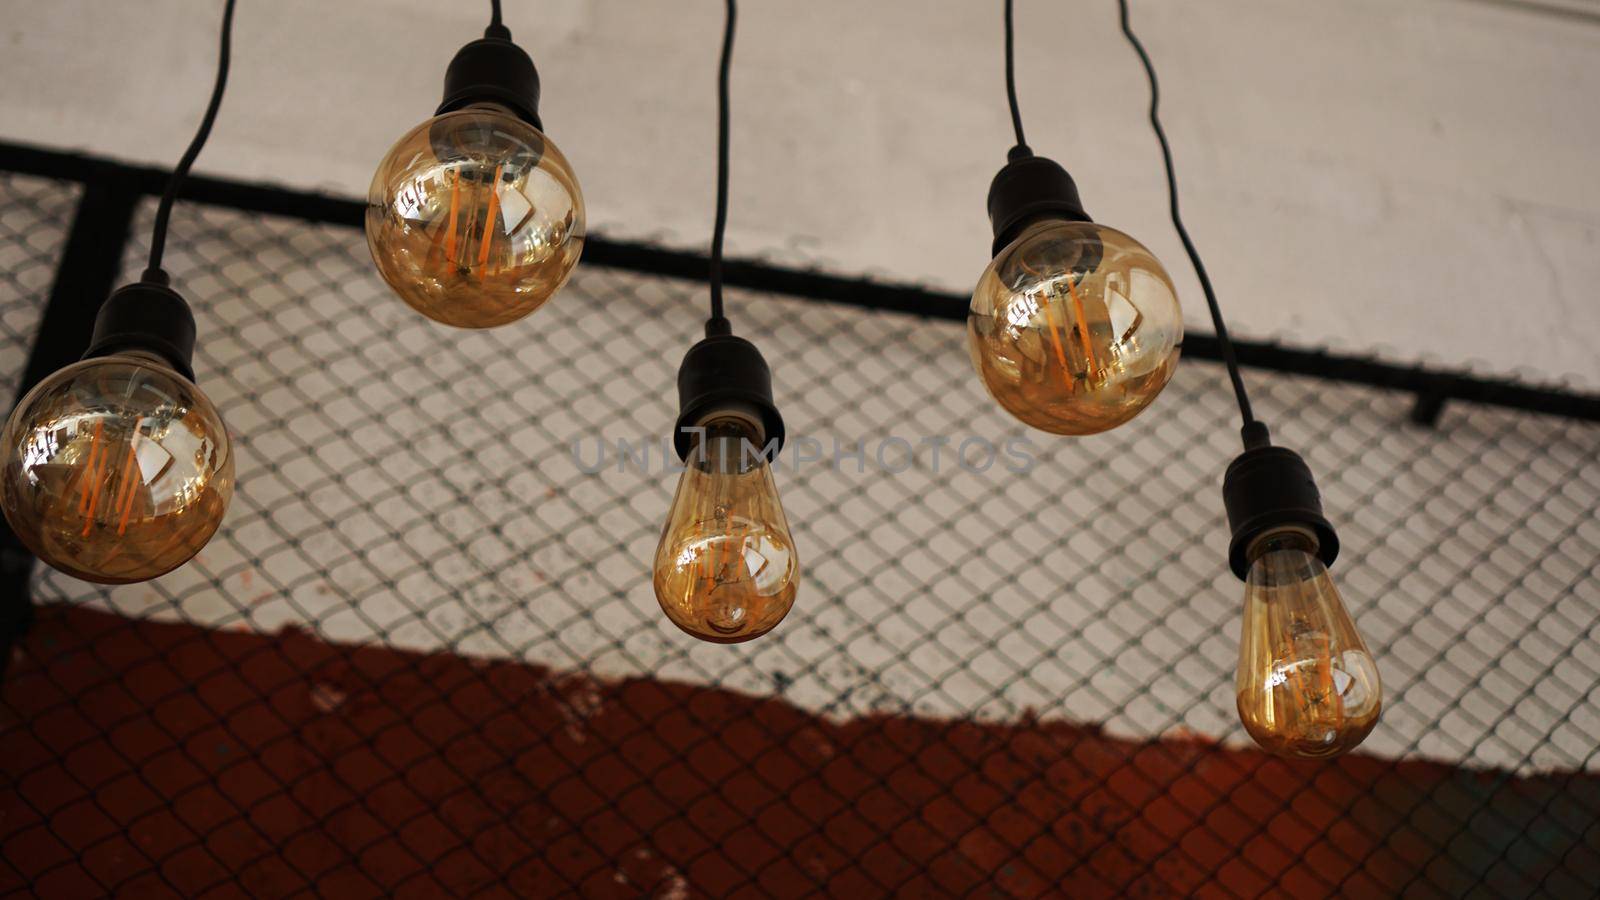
<point>474,218</point>
<point>116,469</point>
<point>1074,327</point>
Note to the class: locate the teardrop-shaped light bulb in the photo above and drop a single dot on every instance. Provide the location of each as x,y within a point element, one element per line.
<point>1307,686</point>
<point>726,570</point>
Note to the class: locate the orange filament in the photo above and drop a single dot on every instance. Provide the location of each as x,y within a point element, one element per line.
<point>711,554</point>
<point>455,209</point>
<point>488,221</point>
<point>1055,338</point>
<point>97,474</point>
<point>130,481</point>
<point>738,553</point>
<point>94,448</point>
<point>1050,318</point>
<point>1315,692</point>
<point>722,559</point>
<point>1092,364</point>
<point>729,552</point>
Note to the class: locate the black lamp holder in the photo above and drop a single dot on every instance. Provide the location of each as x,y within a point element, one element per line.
<point>725,375</point>
<point>493,69</point>
<point>1269,489</point>
<point>1030,188</point>
<point>146,317</point>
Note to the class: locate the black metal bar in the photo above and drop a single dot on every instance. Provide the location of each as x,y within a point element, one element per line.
<point>1444,385</point>
<point>1427,409</point>
<point>85,275</point>
<point>308,206</point>
<point>861,292</point>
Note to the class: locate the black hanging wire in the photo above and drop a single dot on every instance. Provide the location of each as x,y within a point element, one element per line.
<point>496,27</point>
<point>718,324</point>
<point>158,238</point>
<point>1011,85</point>
<point>1254,432</point>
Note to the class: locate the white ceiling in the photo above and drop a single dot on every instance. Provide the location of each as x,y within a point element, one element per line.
<point>1416,179</point>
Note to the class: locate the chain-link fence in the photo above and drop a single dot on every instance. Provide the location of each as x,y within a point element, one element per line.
<point>34,213</point>
<point>423,657</point>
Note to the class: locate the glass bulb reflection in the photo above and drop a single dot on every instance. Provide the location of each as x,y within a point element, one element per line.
<point>1307,686</point>
<point>1074,327</point>
<point>117,469</point>
<point>726,569</point>
<point>474,218</point>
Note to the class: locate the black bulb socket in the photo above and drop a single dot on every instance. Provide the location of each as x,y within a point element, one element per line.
<point>724,375</point>
<point>1269,489</point>
<point>1030,189</point>
<point>493,69</point>
<point>146,317</point>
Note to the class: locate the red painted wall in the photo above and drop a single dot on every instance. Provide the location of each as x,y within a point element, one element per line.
<point>158,759</point>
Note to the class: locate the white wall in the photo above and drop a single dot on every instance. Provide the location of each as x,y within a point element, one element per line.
<point>1415,178</point>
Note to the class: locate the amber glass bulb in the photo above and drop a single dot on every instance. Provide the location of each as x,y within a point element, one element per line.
<point>726,569</point>
<point>1307,686</point>
<point>474,218</point>
<point>1074,327</point>
<point>117,469</point>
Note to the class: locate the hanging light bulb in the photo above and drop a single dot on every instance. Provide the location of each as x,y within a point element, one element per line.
<point>1307,686</point>
<point>1074,327</point>
<point>118,468</point>
<point>726,569</point>
<point>474,217</point>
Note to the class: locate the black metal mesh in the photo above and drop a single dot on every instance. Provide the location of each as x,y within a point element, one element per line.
<point>411,486</point>
<point>34,215</point>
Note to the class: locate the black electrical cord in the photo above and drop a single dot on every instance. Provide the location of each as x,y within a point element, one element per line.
<point>1011,83</point>
<point>718,324</point>
<point>1254,432</point>
<point>158,238</point>
<point>496,28</point>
